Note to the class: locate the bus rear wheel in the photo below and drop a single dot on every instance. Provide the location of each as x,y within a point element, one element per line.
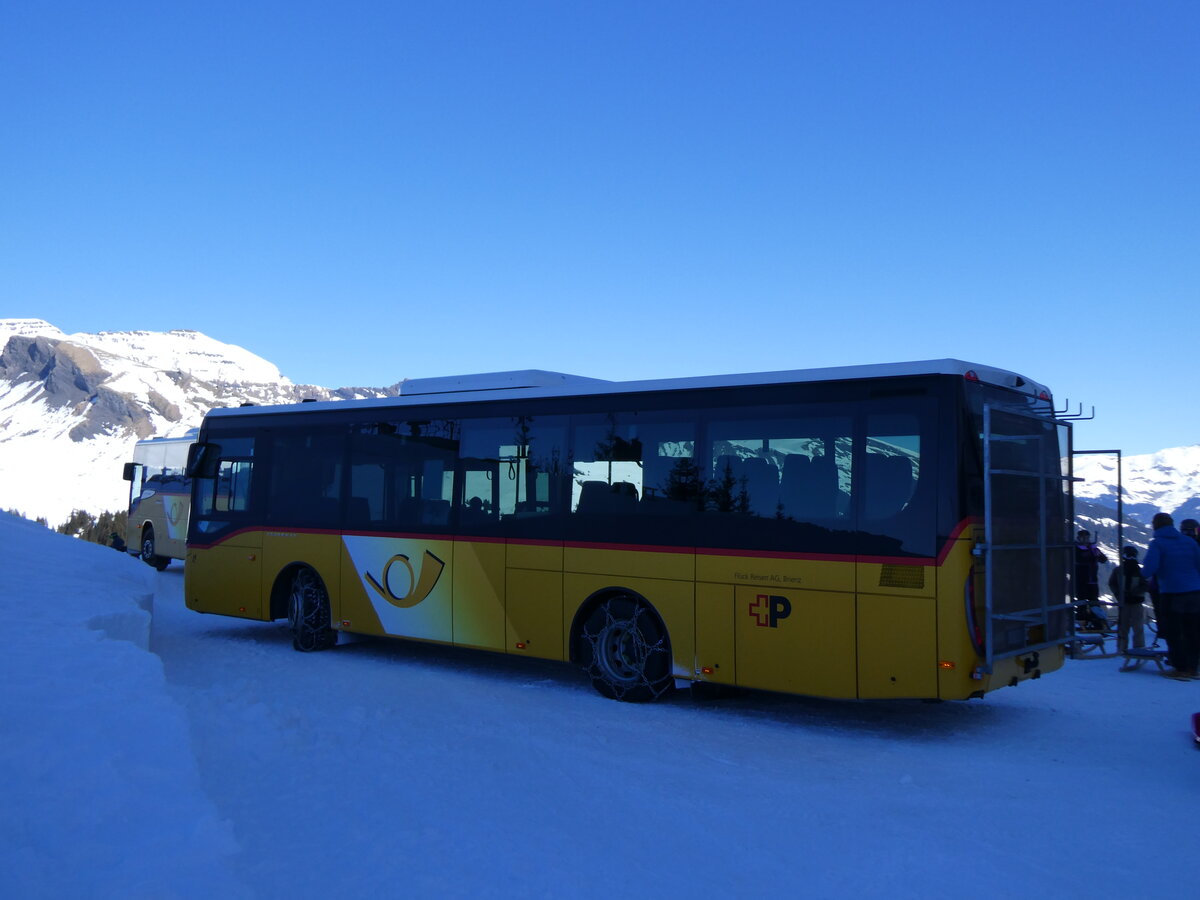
<point>625,650</point>
<point>308,613</point>
<point>148,556</point>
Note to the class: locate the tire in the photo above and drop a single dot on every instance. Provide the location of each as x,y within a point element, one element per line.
<point>625,651</point>
<point>308,613</point>
<point>148,556</point>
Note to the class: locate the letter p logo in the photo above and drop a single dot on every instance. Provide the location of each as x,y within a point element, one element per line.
<point>768,609</point>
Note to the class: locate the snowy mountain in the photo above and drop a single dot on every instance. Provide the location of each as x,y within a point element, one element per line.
<point>1166,481</point>
<point>72,406</point>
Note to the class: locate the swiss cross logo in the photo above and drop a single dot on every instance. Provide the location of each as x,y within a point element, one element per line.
<point>767,610</point>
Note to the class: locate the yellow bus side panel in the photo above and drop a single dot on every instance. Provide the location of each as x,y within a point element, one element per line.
<point>408,582</point>
<point>535,613</point>
<point>769,573</point>
<point>547,557</point>
<point>354,611</point>
<point>636,564</point>
<point>954,637</point>
<point>897,647</point>
<point>320,552</point>
<point>714,634</point>
<point>674,601</point>
<point>479,595</point>
<point>802,642</point>
<point>228,581</point>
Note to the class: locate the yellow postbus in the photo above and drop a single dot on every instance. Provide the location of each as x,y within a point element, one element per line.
<point>883,531</point>
<point>159,499</point>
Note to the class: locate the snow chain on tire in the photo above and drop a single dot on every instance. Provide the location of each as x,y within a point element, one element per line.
<point>628,656</point>
<point>308,614</point>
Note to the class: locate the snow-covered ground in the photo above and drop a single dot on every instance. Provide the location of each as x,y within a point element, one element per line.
<point>151,752</point>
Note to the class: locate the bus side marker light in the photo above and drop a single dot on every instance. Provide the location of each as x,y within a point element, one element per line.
<point>241,609</point>
<point>520,645</point>
<point>706,670</point>
<point>946,664</point>
<point>345,623</point>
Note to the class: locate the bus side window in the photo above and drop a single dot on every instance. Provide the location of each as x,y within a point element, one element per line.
<point>893,461</point>
<point>899,479</point>
<point>227,490</point>
<point>509,468</point>
<point>306,476</point>
<point>401,474</point>
<point>809,490</point>
<point>233,485</point>
<point>634,464</point>
<point>785,466</point>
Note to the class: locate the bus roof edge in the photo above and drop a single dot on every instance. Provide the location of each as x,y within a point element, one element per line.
<point>493,381</point>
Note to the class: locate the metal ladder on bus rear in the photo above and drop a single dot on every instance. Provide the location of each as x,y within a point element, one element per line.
<point>1042,615</point>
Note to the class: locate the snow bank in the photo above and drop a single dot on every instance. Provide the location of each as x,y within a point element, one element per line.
<point>96,755</point>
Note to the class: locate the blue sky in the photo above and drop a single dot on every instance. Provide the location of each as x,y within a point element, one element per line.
<point>363,192</point>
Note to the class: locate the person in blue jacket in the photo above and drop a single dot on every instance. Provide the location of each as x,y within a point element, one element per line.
<point>1174,561</point>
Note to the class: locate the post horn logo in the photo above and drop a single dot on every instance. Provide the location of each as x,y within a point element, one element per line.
<point>418,588</point>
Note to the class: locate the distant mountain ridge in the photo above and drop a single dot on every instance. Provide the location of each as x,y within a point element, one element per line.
<point>72,406</point>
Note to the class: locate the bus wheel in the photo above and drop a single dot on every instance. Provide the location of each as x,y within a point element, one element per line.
<point>625,650</point>
<point>149,557</point>
<point>308,613</point>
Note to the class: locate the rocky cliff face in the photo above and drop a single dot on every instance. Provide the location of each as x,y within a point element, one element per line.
<point>69,377</point>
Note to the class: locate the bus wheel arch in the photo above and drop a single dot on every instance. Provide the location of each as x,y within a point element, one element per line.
<point>621,641</point>
<point>299,593</point>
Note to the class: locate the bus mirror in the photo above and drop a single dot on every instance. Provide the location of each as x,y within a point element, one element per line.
<point>127,472</point>
<point>198,455</point>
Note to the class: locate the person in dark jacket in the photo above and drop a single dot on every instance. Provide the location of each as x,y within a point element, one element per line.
<point>1190,528</point>
<point>1174,561</point>
<point>1128,588</point>
<point>1087,581</point>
